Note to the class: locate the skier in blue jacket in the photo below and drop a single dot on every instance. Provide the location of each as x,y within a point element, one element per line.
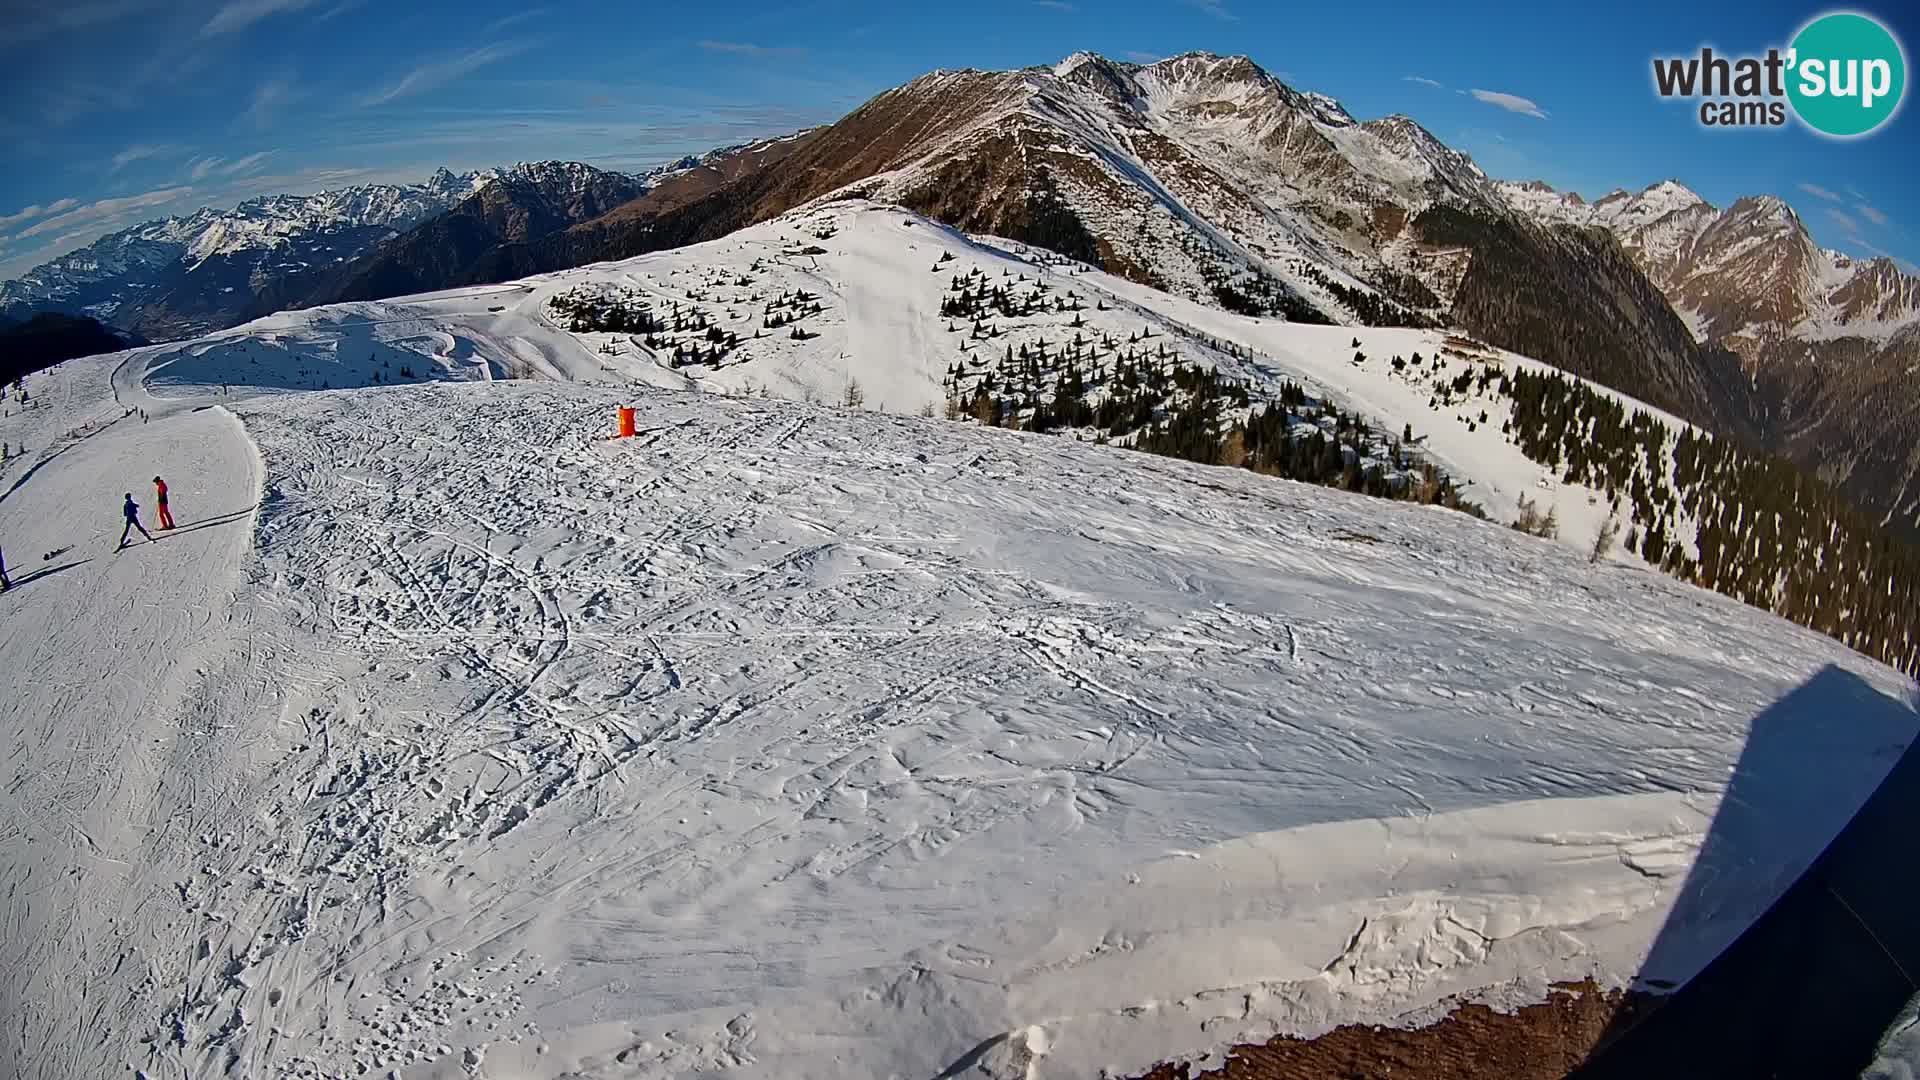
<point>132,512</point>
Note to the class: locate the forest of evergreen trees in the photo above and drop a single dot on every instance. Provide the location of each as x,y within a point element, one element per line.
<point>1376,308</point>
<point>683,334</point>
<point>1251,293</point>
<point>1140,393</point>
<point>1767,533</point>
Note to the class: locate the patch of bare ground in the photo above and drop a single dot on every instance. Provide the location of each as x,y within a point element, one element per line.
<point>1545,1041</point>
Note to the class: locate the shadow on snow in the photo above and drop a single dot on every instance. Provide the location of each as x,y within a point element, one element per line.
<point>24,579</point>
<point>227,518</point>
<point>1804,987</point>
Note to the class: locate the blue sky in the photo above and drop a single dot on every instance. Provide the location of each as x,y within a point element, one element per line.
<point>116,111</point>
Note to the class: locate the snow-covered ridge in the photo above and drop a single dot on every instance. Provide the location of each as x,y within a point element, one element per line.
<point>879,276</point>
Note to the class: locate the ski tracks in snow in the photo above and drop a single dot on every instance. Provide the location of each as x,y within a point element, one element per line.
<point>664,713</point>
<point>532,730</point>
<point>120,766</point>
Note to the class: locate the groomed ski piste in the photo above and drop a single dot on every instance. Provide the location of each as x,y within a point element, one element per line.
<point>448,736</point>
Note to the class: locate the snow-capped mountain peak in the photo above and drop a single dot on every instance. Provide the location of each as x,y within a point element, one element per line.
<point>445,181</point>
<point>1745,276</point>
<point>179,273</point>
<point>1071,64</point>
<point>1672,193</point>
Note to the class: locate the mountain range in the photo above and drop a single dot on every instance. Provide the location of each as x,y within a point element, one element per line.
<point>188,274</point>
<point>185,275</point>
<point>1201,175</point>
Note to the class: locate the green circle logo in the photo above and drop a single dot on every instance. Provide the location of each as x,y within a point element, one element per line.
<point>1848,74</point>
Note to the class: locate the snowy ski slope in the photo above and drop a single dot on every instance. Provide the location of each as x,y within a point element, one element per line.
<point>880,277</point>
<point>451,738</point>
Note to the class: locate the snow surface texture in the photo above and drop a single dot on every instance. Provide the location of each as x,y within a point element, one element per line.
<point>1898,1056</point>
<point>450,737</point>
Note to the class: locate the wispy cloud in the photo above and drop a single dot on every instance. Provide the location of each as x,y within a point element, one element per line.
<point>339,9</point>
<point>440,73</point>
<point>237,15</point>
<point>1511,102</point>
<point>1142,57</point>
<point>201,168</point>
<point>249,163</point>
<point>1212,7</point>
<point>1819,192</point>
<point>1424,81</point>
<point>514,19</point>
<point>107,210</point>
<point>743,48</point>
<point>1874,250</point>
<point>28,213</point>
<point>1842,219</point>
<point>267,99</point>
<point>32,22</point>
<point>1872,214</point>
<point>1054,5</point>
<point>143,152</point>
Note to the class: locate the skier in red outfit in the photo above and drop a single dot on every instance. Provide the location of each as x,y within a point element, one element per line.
<point>166,515</point>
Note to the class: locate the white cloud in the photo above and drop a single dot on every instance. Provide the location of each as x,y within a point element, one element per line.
<point>743,48</point>
<point>1841,219</point>
<point>28,213</point>
<point>339,9</point>
<point>1510,102</point>
<point>1142,57</point>
<point>1054,5</point>
<point>429,76</point>
<point>237,15</point>
<point>1819,192</point>
<point>108,210</point>
<point>142,152</point>
<point>249,163</point>
<point>515,19</point>
<point>1872,214</point>
<point>201,168</point>
<point>1424,81</point>
<point>267,98</point>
